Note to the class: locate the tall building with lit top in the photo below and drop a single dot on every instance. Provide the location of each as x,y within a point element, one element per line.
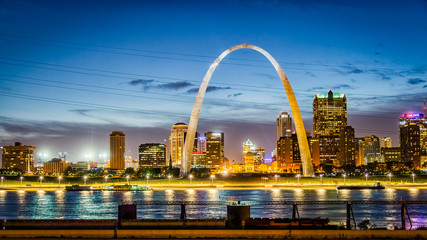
<point>18,158</point>
<point>176,142</point>
<point>329,117</point>
<point>284,125</point>
<point>214,150</point>
<point>117,150</point>
<point>412,130</point>
<point>152,155</point>
<point>201,144</point>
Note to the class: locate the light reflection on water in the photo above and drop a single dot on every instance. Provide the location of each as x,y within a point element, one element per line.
<point>103,205</point>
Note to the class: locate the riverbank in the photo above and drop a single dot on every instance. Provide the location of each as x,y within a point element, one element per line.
<point>215,234</point>
<point>210,186</point>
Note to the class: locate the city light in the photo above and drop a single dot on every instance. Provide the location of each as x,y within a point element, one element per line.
<point>59,181</point>
<point>366,176</point>
<point>127,179</point>
<point>389,177</point>
<point>298,177</point>
<point>106,178</point>
<point>321,175</point>
<point>344,175</point>
<point>84,178</point>
<point>276,176</point>
<point>212,177</point>
<point>2,180</point>
<point>413,178</point>
<point>147,178</point>
<point>191,177</point>
<point>169,176</point>
<point>21,180</point>
<point>41,179</point>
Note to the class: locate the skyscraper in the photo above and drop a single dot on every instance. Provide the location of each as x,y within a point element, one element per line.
<point>117,150</point>
<point>329,117</point>
<point>412,137</point>
<point>385,142</point>
<point>214,150</point>
<point>284,125</point>
<point>18,158</point>
<point>152,155</point>
<point>346,147</point>
<point>176,142</point>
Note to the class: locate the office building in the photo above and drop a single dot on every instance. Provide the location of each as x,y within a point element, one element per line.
<point>199,160</point>
<point>346,154</point>
<point>176,143</point>
<point>413,135</point>
<point>284,125</point>
<point>117,150</point>
<point>201,144</point>
<point>214,151</point>
<point>18,158</point>
<point>152,155</point>
<point>391,154</point>
<point>329,117</point>
<point>385,142</point>
<point>56,166</point>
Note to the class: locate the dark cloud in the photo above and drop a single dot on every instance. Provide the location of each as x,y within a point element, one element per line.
<point>209,89</point>
<point>421,69</point>
<point>414,81</point>
<point>310,74</point>
<point>425,86</point>
<point>143,82</point>
<point>377,53</point>
<point>234,95</point>
<point>175,85</point>
<point>345,70</point>
<point>339,87</point>
<point>266,75</point>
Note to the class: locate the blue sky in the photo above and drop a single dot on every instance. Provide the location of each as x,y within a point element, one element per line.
<point>73,71</point>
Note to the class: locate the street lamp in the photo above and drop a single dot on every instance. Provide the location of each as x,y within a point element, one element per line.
<point>59,180</point>
<point>389,177</point>
<point>413,178</point>
<point>85,177</point>
<point>169,176</point>
<point>127,179</point>
<point>366,176</point>
<point>147,178</point>
<point>2,180</point>
<point>276,176</point>
<point>106,178</point>
<point>321,175</point>
<point>21,180</point>
<point>212,177</point>
<point>344,175</point>
<point>298,177</point>
<point>191,177</point>
<point>41,178</point>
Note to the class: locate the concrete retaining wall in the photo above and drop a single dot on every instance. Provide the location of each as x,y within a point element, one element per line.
<point>257,234</point>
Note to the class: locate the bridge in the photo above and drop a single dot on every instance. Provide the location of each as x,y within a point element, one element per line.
<point>350,219</point>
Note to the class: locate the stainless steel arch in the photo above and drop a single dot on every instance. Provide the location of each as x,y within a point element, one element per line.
<point>194,119</point>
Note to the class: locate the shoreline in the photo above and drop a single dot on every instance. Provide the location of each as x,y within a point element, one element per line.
<point>215,187</point>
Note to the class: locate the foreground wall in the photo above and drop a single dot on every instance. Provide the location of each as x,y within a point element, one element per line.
<point>258,234</point>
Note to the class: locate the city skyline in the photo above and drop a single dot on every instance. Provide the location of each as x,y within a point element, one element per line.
<point>66,88</point>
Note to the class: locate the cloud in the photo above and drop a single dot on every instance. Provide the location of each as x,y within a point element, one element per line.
<point>425,86</point>
<point>377,53</point>
<point>208,89</point>
<point>339,87</point>
<point>174,85</point>
<point>310,74</point>
<point>414,81</point>
<point>143,82</point>
<point>266,75</point>
<point>234,95</point>
<point>345,70</point>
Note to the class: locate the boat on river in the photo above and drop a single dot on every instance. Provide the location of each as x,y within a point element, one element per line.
<point>128,188</point>
<point>77,188</point>
<point>351,187</point>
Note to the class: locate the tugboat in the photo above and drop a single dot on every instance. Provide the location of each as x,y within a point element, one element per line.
<point>376,186</point>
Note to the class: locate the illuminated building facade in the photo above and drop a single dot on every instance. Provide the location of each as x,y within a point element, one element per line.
<point>117,150</point>
<point>284,125</point>
<point>152,155</point>
<point>391,154</point>
<point>329,117</point>
<point>346,154</point>
<point>18,158</point>
<point>385,142</point>
<point>371,149</point>
<point>214,151</point>
<point>176,142</point>
<point>201,144</point>
<point>199,160</point>
<point>55,166</point>
<point>412,136</point>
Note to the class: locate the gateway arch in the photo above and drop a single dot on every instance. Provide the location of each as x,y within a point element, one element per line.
<point>194,118</point>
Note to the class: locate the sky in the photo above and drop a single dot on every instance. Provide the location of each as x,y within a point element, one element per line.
<point>73,71</point>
